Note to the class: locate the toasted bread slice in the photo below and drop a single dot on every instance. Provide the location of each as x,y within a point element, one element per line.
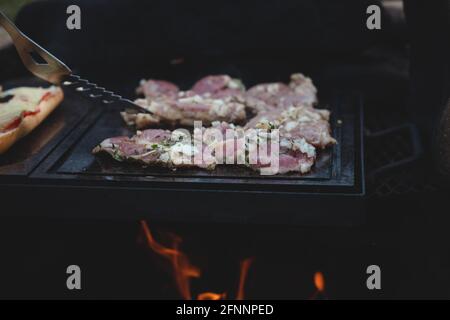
<point>28,123</point>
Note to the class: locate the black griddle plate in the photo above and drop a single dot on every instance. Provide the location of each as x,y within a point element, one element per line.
<point>27,153</point>
<point>70,181</point>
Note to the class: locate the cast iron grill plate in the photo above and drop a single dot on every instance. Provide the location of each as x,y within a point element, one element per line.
<point>97,186</point>
<point>73,160</point>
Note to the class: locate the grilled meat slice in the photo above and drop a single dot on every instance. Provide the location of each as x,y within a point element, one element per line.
<point>185,109</point>
<point>269,96</point>
<point>156,88</point>
<point>155,147</point>
<point>213,98</point>
<point>298,122</point>
<point>219,86</point>
<point>220,101</point>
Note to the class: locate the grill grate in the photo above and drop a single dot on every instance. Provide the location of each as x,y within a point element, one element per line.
<point>389,147</point>
<point>394,155</point>
<point>405,181</point>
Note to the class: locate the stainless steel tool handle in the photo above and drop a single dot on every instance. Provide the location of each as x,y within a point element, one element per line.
<point>56,72</point>
<point>52,71</point>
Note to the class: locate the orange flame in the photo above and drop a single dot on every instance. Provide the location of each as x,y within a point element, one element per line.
<point>211,296</point>
<point>319,281</point>
<point>182,268</point>
<point>245,265</point>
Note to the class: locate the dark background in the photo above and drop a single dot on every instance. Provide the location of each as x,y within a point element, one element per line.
<point>402,71</point>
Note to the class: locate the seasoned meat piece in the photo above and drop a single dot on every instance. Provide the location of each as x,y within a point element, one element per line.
<point>266,96</point>
<point>140,120</point>
<point>295,155</point>
<point>218,85</point>
<point>286,110</point>
<point>269,96</point>
<point>213,98</point>
<point>156,88</point>
<point>174,149</point>
<point>153,147</point>
<point>295,162</point>
<point>316,133</point>
<point>298,122</point>
<point>186,109</point>
<point>304,89</point>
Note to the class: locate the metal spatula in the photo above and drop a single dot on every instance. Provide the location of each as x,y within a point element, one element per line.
<point>54,71</point>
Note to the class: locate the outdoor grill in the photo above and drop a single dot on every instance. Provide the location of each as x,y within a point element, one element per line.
<point>66,167</point>
<point>372,198</point>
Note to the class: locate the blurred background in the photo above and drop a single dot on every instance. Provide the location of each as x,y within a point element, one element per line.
<point>10,8</point>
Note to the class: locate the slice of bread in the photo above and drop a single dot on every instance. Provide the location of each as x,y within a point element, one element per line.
<point>28,123</point>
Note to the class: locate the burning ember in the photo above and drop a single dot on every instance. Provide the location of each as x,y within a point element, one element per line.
<point>245,265</point>
<point>319,283</point>
<point>211,296</point>
<point>183,270</point>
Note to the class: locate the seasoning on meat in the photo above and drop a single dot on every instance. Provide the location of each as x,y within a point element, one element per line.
<point>213,98</point>
<point>175,149</point>
<point>156,88</point>
<point>269,96</point>
<point>298,122</point>
<point>221,104</point>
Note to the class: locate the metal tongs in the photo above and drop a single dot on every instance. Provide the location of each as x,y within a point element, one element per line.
<point>56,72</point>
